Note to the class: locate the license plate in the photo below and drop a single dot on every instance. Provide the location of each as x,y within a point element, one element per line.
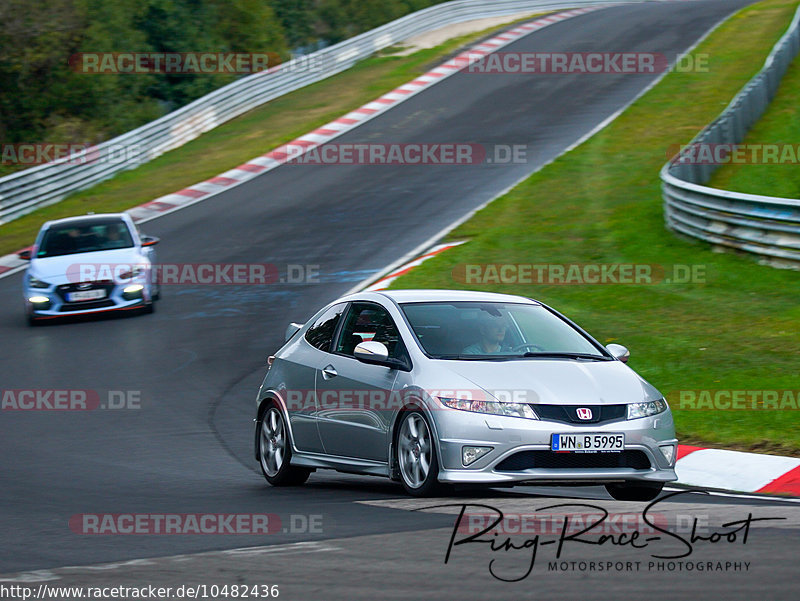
<point>590,442</point>
<point>85,295</point>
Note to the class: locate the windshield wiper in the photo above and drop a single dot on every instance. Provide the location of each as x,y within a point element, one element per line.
<point>476,357</point>
<point>547,355</point>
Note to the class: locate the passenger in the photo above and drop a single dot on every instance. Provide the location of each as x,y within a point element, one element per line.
<point>114,238</point>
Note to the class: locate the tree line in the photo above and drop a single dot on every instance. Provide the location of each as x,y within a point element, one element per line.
<point>45,97</point>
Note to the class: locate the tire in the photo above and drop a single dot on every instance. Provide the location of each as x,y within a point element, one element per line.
<point>635,491</point>
<point>417,461</point>
<point>275,450</point>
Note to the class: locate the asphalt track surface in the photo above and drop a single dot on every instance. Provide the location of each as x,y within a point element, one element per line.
<point>197,362</point>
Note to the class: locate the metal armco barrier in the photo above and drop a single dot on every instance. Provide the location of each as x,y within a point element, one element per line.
<point>763,225</point>
<point>46,184</point>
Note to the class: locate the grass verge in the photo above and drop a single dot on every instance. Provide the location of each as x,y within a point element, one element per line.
<point>779,125</point>
<point>244,138</point>
<point>734,327</point>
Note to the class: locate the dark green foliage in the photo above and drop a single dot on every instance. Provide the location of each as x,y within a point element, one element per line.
<point>44,99</point>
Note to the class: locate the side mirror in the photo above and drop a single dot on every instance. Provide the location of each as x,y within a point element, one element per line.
<point>371,352</point>
<point>619,352</point>
<point>376,353</point>
<point>150,240</point>
<point>291,330</point>
<point>25,255</point>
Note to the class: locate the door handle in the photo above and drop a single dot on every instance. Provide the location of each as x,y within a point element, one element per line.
<point>329,372</point>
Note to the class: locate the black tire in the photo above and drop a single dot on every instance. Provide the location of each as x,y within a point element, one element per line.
<point>281,473</point>
<point>32,321</point>
<point>635,491</point>
<point>409,453</point>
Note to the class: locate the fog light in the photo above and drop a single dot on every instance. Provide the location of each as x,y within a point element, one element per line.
<point>668,452</point>
<point>39,302</point>
<point>472,454</point>
<point>133,291</point>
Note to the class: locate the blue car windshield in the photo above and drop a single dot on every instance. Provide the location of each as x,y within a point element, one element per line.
<point>476,330</point>
<point>68,239</point>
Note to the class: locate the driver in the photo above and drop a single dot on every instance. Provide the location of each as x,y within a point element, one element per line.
<point>493,331</point>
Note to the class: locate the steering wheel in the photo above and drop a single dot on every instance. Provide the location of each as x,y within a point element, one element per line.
<point>527,345</point>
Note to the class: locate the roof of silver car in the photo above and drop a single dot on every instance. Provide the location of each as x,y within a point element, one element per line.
<point>410,296</point>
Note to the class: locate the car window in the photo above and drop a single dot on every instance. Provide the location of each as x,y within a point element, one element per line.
<point>68,239</point>
<point>368,321</point>
<point>470,329</point>
<point>321,333</point>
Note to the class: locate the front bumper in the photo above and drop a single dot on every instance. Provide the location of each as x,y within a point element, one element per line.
<point>57,304</point>
<point>509,436</point>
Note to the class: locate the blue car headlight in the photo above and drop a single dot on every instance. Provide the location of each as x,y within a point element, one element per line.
<point>134,272</point>
<point>491,407</point>
<point>34,282</point>
<point>637,410</point>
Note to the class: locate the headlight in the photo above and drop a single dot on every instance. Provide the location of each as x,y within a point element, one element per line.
<point>491,407</point>
<point>37,283</point>
<point>127,275</point>
<point>636,410</point>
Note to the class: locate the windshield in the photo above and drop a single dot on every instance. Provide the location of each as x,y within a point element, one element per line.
<point>468,331</point>
<point>92,236</point>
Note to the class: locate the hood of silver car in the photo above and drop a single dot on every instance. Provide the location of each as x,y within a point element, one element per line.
<point>566,382</point>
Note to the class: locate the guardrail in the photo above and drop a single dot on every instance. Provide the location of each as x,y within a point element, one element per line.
<point>763,225</point>
<point>46,184</point>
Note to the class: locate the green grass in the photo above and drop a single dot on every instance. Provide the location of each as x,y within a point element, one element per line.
<point>243,138</point>
<point>601,203</point>
<point>779,125</point>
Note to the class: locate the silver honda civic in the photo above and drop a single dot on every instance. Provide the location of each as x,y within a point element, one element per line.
<point>441,387</point>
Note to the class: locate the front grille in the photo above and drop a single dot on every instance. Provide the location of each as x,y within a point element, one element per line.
<point>65,289</point>
<point>552,460</point>
<point>84,305</point>
<point>567,414</point>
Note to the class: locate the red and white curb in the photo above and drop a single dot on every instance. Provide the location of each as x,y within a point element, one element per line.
<point>738,471</point>
<point>10,263</point>
<point>326,133</point>
<point>385,281</point>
